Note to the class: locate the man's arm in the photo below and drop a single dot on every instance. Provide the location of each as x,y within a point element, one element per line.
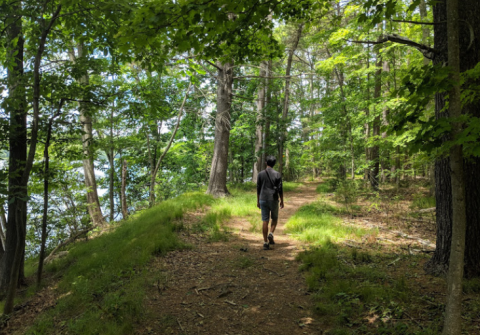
<point>280,192</point>
<point>259,189</point>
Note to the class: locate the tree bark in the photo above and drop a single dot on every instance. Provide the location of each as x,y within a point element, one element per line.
<point>257,165</point>
<point>453,309</point>
<point>286,101</point>
<point>470,12</point>
<point>16,108</point>
<point>217,184</point>
<point>123,190</point>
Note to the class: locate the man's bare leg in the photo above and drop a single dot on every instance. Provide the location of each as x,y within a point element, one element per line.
<point>265,231</point>
<point>273,226</point>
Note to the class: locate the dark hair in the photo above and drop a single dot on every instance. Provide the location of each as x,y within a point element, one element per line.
<point>271,160</point>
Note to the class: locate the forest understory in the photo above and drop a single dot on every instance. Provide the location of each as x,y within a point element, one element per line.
<point>339,266</point>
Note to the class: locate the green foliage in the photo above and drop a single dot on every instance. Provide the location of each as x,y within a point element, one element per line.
<point>102,280</point>
<point>316,223</point>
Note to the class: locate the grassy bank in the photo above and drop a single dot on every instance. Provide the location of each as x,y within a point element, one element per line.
<point>102,281</point>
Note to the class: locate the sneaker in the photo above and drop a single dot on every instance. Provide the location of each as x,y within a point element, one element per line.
<point>270,238</point>
<point>266,246</point>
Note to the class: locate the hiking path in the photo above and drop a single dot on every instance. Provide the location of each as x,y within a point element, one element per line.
<point>233,287</point>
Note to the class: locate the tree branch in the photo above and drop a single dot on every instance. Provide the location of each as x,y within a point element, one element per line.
<point>427,51</point>
<point>419,22</point>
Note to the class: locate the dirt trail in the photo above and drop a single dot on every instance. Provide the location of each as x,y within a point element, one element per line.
<point>216,288</point>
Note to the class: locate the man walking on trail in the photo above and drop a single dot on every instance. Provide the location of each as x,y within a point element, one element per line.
<point>269,190</point>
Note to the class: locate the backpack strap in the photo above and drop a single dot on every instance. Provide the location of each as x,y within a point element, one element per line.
<point>275,186</point>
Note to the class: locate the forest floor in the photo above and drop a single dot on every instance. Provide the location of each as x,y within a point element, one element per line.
<point>369,280</point>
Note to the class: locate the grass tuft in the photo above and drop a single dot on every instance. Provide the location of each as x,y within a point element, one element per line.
<point>317,224</point>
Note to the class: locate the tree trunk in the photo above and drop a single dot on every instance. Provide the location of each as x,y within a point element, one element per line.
<point>165,151</point>
<point>46,172</point>
<point>257,166</point>
<point>111,174</point>
<point>217,185</point>
<point>375,149</point>
<point>15,106</point>
<point>3,224</point>
<point>453,309</point>
<point>470,12</point>
<point>367,124</point>
<point>385,158</point>
<point>93,203</point>
<point>266,127</point>
<point>123,191</point>
<point>286,101</point>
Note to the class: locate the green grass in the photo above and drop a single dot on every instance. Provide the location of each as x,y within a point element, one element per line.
<point>317,224</point>
<point>421,201</point>
<point>289,186</point>
<point>103,280</point>
<point>325,188</point>
<point>350,285</point>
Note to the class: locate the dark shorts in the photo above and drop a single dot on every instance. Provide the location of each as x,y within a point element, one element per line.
<point>267,207</point>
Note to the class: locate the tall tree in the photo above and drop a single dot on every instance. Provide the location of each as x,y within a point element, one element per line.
<point>286,102</point>
<point>453,310</point>
<point>259,131</point>
<point>15,105</point>
<point>94,208</point>
<point>217,184</point>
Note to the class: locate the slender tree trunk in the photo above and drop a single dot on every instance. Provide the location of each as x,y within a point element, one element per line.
<point>426,61</point>
<point>385,157</point>
<point>165,151</point>
<point>367,124</point>
<point>217,184</point>
<point>123,191</point>
<point>93,203</point>
<point>111,174</point>
<point>453,310</point>
<point>3,224</point>
<point>266,127</point>
<point>375,149</point>
<point>286,101</point>
<point>46,173</point>
<point>257,166</point>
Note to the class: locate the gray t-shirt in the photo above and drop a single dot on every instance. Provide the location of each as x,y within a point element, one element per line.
<point>265,189</point>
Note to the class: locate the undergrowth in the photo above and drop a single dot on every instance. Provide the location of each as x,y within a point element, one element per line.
<point>355,295</point>
<point>102,281</point>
